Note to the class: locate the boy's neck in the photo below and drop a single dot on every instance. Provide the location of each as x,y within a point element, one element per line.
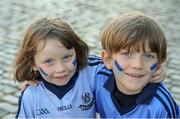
<point>126,92</point>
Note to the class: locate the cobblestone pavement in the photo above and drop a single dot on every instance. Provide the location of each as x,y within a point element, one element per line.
<point>87,18</point>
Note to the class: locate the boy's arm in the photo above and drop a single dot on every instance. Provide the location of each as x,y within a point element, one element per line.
<point>159,75</point>
<point>25,84</point>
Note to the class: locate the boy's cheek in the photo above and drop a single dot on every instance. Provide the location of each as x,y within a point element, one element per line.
<point>154,67</point>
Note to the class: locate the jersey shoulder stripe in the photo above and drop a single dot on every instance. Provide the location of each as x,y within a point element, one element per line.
<point>104,73</point>
<point>173,104</point>
<point>94,60</point>
<point>166,99</point>
<point>19,104</point>
<point>164,104</point>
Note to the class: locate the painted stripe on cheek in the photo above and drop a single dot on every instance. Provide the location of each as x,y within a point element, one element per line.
<point>43,73</point>
<point>74,62</point>
<point>118,66</point>
<point>154,67</point>
<point>118,70</point>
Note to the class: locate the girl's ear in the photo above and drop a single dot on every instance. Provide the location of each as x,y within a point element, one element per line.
<point>107,59</point>
<point>35,68</point>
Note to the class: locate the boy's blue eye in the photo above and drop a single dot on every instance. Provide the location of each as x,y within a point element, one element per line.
<point>127,54</point>
<point>148,56</point>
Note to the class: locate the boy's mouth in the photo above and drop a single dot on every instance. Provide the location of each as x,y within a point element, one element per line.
<point>135,75</point>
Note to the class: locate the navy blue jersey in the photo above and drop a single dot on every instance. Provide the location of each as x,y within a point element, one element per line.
<point>154,101</point>
<point>78,101</point>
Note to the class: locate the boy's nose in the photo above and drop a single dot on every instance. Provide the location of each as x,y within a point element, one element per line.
<point>137,63</point>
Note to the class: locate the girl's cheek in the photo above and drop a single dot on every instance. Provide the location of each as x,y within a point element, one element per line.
<point>44,72</point>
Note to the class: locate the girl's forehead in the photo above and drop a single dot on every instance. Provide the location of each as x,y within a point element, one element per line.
<point>52,48</point>
<point>49,41</point>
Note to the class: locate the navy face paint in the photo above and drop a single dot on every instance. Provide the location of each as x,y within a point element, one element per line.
<point>43,73</point>
<point>118,66</point>
<point>75,62</point>
<point>154,67</point>
<point>118,69</point>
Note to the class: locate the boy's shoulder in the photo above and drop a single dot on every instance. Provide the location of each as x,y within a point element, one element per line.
<point>103,75</point>
<point>94,64</point>
<point>104,72</point>
<point>163,97</point>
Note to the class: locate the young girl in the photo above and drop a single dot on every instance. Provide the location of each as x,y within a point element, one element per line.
<point>51,48</point>
<point>55,55</point>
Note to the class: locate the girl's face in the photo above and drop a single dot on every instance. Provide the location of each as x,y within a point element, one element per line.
<point>55,62</point>
<point>133,70</point>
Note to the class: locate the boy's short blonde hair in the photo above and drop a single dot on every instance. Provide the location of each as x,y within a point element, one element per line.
<point>131,30</point>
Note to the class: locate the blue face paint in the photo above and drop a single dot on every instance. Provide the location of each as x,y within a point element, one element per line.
<point>118,69</point>
<point>75,62</point>
<point>154,67</point>
<point>43,73</point>
<point>118,66</point>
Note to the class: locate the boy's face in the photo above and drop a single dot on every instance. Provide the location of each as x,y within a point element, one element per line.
<point>132,70</point>
<point>55,63</point>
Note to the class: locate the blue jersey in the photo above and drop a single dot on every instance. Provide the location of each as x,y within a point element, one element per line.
<point>154,101</point>
<point>78,101</point>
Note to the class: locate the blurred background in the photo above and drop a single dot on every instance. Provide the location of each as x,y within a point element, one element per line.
<point>87,18</point>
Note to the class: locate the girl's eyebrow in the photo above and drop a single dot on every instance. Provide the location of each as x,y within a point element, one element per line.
<point>69,52</point>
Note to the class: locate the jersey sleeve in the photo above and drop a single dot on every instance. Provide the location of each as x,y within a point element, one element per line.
<point>170,106</point>
<point>25,107</point>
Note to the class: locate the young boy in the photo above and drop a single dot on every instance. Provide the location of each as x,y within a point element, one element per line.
<point>134,46</point>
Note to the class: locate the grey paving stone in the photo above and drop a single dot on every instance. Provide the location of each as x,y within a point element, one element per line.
<point>8,90</point>
<point>3,113</point>
<point>10,99</point>
<point>8,107</point>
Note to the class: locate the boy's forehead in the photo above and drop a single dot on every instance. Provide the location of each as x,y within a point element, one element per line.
<point>137,46</point>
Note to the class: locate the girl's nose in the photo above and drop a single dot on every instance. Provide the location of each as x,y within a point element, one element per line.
<point>60,67</point>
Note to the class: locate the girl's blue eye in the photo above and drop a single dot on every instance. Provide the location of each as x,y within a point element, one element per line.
<point>49,61</point>
<point>67,58</point>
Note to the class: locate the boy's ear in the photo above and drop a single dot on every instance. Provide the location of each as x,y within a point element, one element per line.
<point>106,59</point>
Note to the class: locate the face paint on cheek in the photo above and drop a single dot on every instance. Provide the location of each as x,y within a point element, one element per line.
<point>43,73</point>
<point>74,62</point>
<point>154,67</point>
<point>118,68</point>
